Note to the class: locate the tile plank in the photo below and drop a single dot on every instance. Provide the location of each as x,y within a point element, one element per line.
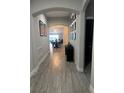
<point>55,75</point>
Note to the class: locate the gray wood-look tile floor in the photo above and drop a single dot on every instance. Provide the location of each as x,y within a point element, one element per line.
<point>55,75</point>
<point>87,72</point>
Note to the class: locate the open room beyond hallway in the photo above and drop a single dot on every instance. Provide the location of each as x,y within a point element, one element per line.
<point>58,76</point>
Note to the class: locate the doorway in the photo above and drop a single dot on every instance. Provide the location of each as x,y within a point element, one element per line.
<point>88,47</point>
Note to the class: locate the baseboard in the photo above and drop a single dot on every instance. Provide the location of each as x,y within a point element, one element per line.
<point>91,89</point>
<point>79,69</point>
<point>35,70</point>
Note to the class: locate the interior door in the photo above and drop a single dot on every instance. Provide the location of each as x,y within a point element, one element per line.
<point>88,41</point>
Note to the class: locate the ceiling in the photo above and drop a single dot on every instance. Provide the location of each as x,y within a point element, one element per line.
<point>57,14</point>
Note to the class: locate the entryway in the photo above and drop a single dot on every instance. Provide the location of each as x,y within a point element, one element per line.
<point>88,47</point>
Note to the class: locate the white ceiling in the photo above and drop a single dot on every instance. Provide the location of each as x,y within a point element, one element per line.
<point>57,14</point>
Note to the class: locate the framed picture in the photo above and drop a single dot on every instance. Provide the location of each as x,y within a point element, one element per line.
<point>41,28</point>
<point>73,17</point>
<point>74,26</point>
<point>45,30</point>
<point>74,35</point>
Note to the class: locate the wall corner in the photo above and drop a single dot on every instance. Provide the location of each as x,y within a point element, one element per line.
<point>79,69</point>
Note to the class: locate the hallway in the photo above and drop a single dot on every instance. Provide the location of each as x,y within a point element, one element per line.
<point>55,75</point>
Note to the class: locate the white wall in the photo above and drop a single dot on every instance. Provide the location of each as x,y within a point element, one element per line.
<point>39,45</point>
<point>82,41</point>
<point>57,21</point>
<point>76,43</point>
<point>79,42</point>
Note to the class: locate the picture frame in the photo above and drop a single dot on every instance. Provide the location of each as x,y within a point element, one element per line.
<point>73,17</point>
<point>74,36</point>
<point>45,30</point>
<point>73,27</point>
<point>41,28</point>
